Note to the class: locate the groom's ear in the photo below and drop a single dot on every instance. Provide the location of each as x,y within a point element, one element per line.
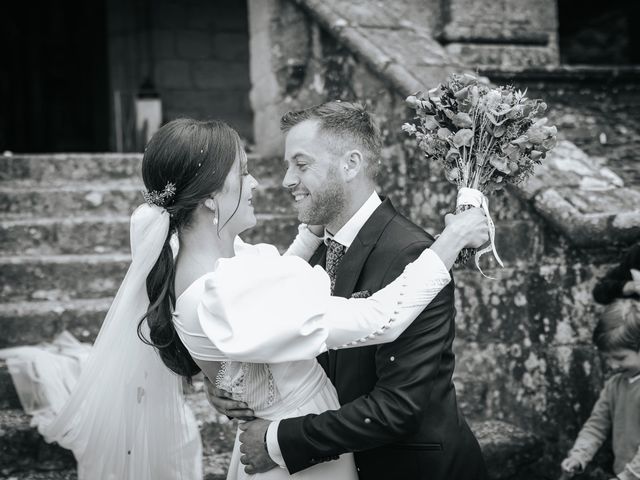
<point>354,163</point>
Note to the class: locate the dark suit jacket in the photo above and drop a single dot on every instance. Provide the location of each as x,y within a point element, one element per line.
<point>399,412</point>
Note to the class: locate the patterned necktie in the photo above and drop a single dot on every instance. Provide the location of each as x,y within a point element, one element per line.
<point>335,252</point>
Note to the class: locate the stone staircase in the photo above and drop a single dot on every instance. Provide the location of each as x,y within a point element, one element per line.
<point>64,249</point>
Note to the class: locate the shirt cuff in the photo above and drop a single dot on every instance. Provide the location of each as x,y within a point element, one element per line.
<point>273,448</point>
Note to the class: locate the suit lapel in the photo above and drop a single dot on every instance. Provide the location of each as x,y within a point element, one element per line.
<point>357,254</point>
<point>352,264</point>
<point>319,257</point>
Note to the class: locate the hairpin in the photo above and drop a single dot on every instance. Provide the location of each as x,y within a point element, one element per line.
<point>160,199</point>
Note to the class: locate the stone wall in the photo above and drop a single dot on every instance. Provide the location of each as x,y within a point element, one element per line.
<point>523,340</point>
<point>197,52</point>
<point>504,32</point>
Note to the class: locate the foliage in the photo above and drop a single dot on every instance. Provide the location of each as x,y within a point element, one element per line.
<point>483,136</point>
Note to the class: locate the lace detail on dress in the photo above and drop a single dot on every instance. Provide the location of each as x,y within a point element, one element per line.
<point>248,382</point>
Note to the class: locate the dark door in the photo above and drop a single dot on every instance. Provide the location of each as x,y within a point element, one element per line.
<point>53,77</point>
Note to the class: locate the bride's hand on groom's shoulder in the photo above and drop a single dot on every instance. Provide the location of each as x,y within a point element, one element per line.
<point>222,402</point>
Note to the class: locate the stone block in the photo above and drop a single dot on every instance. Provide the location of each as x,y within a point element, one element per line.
<point>23,451</point>
<point>167,14</point>
<point>231,47</point>
<point>511,21</point>
<point>85,198</point>
<point>357,13</point>
<point>55,236</point>
<point>213,74</point>
<point>63,167</point>
<point>21,446</point>
<point>569,166</point>
<point>506,449</point>
<point>29,323</point>
<point>503,56</point>
<point>266,130</point>
<point>164,44</point>
<point>530,385</point>
<point>193,45</point>
<point>517,241</point>
<point>9,397</point>
<point>227,16</point>
<point>587,218</point>
<point>65,474</point>
<point>61,277</point>
<point>104,199</point>
<point>173,74</point>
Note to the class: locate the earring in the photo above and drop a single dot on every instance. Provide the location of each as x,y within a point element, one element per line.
<point>210,203</point>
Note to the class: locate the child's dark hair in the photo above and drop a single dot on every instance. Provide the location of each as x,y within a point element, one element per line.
<point>196,157</point>
<point>618,326</point>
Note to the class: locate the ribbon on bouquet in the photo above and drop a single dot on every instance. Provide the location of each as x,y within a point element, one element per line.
<point>475,198</point>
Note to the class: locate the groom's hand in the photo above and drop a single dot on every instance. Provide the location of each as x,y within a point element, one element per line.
<point>222,402</point>
<point>253,447</point>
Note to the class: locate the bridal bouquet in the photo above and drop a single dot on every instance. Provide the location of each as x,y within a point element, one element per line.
<point>483,136</point>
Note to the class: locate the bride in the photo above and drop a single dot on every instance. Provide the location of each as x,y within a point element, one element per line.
<point>251,320</point>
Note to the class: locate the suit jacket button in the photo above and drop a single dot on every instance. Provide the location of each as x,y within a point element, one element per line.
<point>367,420</point>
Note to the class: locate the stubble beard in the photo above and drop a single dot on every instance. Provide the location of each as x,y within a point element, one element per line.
<point>324,206</point>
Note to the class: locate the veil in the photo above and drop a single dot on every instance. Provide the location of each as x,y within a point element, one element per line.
<point>126,418</point>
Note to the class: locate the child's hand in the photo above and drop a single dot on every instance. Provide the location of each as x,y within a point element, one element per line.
<point>571,465</point>
<point>633,285</point>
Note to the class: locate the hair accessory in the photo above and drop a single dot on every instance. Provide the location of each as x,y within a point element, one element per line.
<point>160,199</point>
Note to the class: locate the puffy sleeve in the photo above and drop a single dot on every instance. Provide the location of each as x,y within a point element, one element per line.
<point>305,243</point>
<point>271,309</point>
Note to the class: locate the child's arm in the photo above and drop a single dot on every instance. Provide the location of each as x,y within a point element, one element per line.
<point>595,430</point>
<point>632,469</point>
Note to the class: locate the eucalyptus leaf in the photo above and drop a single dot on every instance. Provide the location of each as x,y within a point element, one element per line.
<point>462,120</point>
<point>430,122</point>
<point>444,133</point>
<point>463,137</point>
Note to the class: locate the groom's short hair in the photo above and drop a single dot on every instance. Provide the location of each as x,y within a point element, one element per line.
<point>349,123</point>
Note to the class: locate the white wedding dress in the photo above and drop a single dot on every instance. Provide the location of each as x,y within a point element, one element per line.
<point>267,317</point>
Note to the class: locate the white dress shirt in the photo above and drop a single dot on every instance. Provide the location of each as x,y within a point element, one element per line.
<point>345,236</point>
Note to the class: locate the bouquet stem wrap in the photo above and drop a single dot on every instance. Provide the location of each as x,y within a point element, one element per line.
<point>475,198</point>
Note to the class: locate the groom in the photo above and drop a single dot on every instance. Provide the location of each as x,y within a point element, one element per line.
<point>399,413</point>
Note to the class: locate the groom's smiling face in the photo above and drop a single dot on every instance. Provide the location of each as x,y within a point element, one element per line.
<point>313,175</point>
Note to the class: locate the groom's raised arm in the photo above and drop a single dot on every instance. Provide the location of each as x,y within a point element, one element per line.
<point>405,370</point>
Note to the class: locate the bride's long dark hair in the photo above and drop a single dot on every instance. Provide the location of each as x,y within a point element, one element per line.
<point>195,156</point>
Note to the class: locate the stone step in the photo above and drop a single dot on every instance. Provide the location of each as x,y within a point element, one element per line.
<point>29,323</point>
<point>66,474</point>
<point>22,447</point>
<point>110,234</point>
<point>507,450</point>
<point>23,450</point>
<point>113,197</point>
<point>61,277</point>
<point>8,396</point>
<point>65,167</point>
